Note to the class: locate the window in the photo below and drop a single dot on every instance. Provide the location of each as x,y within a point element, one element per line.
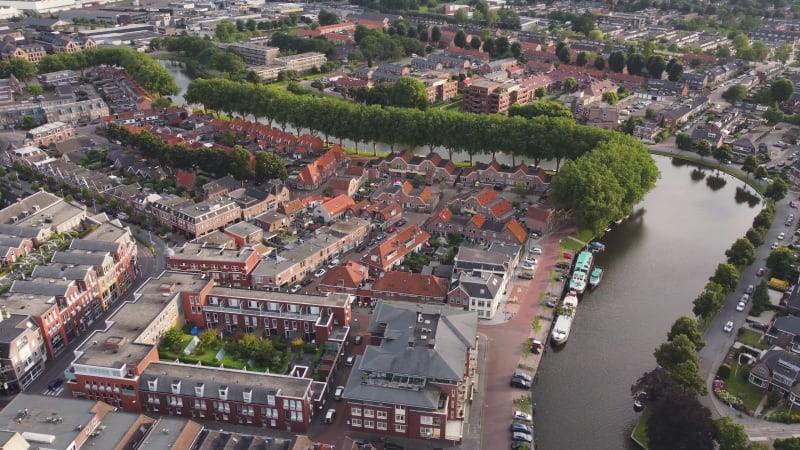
<point>400,414</point>
<point>369,424</point>
<point>382,426</point>
<point>425,431</point>
<point>369,413</point>
<point>399,428</point>
<point>382,414</point>
<point>355,411</point>
<point>426,420</point>
<point>356,422</point>
<point>271,399</point>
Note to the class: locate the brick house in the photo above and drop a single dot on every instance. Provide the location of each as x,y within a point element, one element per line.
<point>489,204</point>
<point>50,133</point>
<point>778,370</point>
<point>409,287</point>
<point>22,351</point>
<point>416,374</point>
<point>12,248</point>
<point>392,251</point>
<point>334,208</point>
<point>410,198</point>
<point>345,278</point>
<point>320,170</point>
<point>432,166</point>
<point>245,233</point>
<point>272,221</point>
<point>540,218</point>
<point>227,267</point>
<point>347,186</point>
<point>479,292</point>
<point>493,173</point>
<point>509,231</point>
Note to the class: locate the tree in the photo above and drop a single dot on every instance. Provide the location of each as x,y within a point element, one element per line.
<point>780,262</point>
<point>239,163</point>
<point>655,66</point>
<point>741,44</point>
<point>540,92</point>
<point>208,338</point>
<point>564,54</point>
<point>742,253</point>
<point>650,113</point>
<point>488,46</point>
<point>501,47</point>
<point>570,85</point>
<point>327,18</point>
<point>678,421</point>
<point>635,63</point>
<point>750,164</point>
<point>436,34</point>
<point>610,97</point>
<point>787,444</point>
<point>735,93</point>
<point>28,122</point>
<point>674,352</point>
<point>35,89</point>
<point>520,189</point>
<point>516,49</point>
<point>172,338</point>
<point>688,327</point>
<point>683,141</point>
<point>600,62</point>
<point>22,68</point>
<point>730,435</point>
<point>224,31</point>
<point>675,73</point>
<point>409,92</point>
<point>582,59</point>
<point>460,39</point>
<point>774,114</point>
<point>617,60</point>
<point>596,35</point>
<point>782,89</point>
<point>707,304</point>
<point>783,53</point>
<point>727,276</point>
<point>759,50</point>
<point>475,43</point>
<point>269,167</point>
<point>777,189</point>
<point>541,108</point>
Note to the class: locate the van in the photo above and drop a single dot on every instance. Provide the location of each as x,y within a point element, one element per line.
<point>330,416</point>
<point>357,339</point>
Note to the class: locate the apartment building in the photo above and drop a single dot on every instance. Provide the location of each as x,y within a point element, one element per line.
<point>227,267</point>
<point>255,54</point>
<point>224,395</point>
<point>50,133</point>
<point>295,264</point>
<point>416,375</point>
<point>22,351</point>
<point>196,219</point>
<point>8,87</point>
<point>59,78</point>
<point>303,61</point>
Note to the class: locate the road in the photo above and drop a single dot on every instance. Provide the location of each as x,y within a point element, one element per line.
<point>149,266</point>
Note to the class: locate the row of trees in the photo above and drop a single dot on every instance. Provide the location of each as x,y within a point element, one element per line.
<point>378,44</point>
<point>213,161</point>
<point>602,187</point>
<point>227,31</point>
<point>144,70</point>
<point>406,92</point>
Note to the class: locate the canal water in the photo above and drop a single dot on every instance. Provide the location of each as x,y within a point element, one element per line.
<point>655,264</point>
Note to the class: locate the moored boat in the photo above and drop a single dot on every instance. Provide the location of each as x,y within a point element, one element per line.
<point>580,275</point>
<point>595,277</point>
<point>561,329</point>
<point>597,246</point>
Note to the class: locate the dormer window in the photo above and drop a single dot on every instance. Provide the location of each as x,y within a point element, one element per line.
<point>198,390</point>
<point>223,393</point>
<point>247,395</point>
<point>176,387</point>
<point>152,384</point>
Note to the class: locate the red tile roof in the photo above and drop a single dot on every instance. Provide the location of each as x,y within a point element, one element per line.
<point>478,220</point>
<point>501,208</point>
<point>409,283</point>
<point>348,275</point>
<point>486,197</point>
<point>338,204</point>
<point>395,247</point>
<point>185,179</point>
<point>516,229</point>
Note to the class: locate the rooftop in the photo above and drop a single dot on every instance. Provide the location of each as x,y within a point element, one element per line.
<point>33,304</point>
<point>335,299</point>
<point>200,252</point>
<point>243,229</point>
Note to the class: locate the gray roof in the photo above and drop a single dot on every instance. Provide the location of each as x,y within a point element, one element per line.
<point>52,287</point>
<point>480,285</point>
<point>787,324</point>
<point>94,246</point>
<point>243,229</point>
<point>56,271</point>
<point>73,257</point>
<point>186,377</point>
<point>427,398</point>
<point>214,440</point>
<point>11,328</point>
<point>20,231</point>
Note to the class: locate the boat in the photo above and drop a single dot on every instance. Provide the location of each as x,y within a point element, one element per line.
<point>639,401</point>
<point>561,329</point>
<point>580,274</point>
<point>595,277</point>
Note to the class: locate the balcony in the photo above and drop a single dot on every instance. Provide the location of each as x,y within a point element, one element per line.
<point>262,313</point>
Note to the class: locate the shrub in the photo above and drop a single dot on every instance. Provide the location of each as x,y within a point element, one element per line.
<point>772,399</point>
<point>724,371</point>
<point>729,398</point>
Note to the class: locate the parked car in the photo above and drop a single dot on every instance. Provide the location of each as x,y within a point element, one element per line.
<point>55,384</point>
<point>306,282</point>
<point>357,339</point>
<point>361,248</point>
<point>295,289</point>
<point>330,416</point>
<point>526,275</point>
<point>522,437</point>
<point>520,383</point>
<point>774,245</point>
<point>320,273</point>
<point>401,222</point>
<point>337,394</point>
<point>529,260</point>
<point>523,376</point>
<point>781,236</point>
<point>521,428</point>
<point>741,306</point>
<point>750,289</point>
<point>745,298</point>
<point>334,262</point>
<point>350,361</point>
<point>536,250</point>
<point>728,326</point>
<point>380,236</point>
<point>391,229</point>
<point>760,271</point>
<point>523,417</point>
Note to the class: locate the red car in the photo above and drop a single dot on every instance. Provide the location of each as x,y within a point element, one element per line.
<point>391,229</point>
<point>761,271</point>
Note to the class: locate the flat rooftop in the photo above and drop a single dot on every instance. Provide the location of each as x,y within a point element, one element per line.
<point>243,229</point>
<point>335,299</point>
<point>35,305</point>
<point>112,231</point>
<point>199,252</point>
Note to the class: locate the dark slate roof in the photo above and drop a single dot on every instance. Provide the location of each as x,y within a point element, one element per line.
<point>94,246</point>
<point>477,286</point>
<point>10,329</point>
<point>787,324</point>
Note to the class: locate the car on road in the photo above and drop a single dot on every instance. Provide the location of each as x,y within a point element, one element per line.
<point>782,163</point>
<point>334,262</point>
<point>361,248</point>
<point>793,204</point>
<point>781,236</point>
<point>523,417</point>
<point>330,416</point>
<point>760,272</point>
<point>536,234</point>
<point>357,340</point>
<point>401,222</point>
<point>295,289</point>
<point>526,275</point>
<point>536,250</point>
<point>380,236</point>
<point>306,282</point>
<point>337,394</point>
<point>774,245</point>
<point>521,428</point>
<point>522,437</point>
<point>390,446</point>
<point>320,273</point>
<point>749,289</point>
<point>741,306</point>
<point>522,376</point>
<point>527,265</point>
<point>350,361</point>
<point>745,298</point>
<point>728,326</point>
<point>55,384</point>
<point>519,383</point>
<point>391,229</point>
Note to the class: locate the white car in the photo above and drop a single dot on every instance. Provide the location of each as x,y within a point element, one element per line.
<point>536,250</point>
<point>745,298</point>
<point>334,262</point>
<point>774,245</point>
<point>320,273</point>
<point>740,306</point>
<point>781,236</point>
<point>750,289</point>
<point>337,394</point>
<point>728,326</point>
<point>529,260</point>
<point>527,266</point>
<point>295,289</point>
<point>525,417</point>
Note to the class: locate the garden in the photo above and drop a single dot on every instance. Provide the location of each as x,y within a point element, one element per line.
<point>243,351</point>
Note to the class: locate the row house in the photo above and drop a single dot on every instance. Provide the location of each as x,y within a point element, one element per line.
<point>493,173</point>
<point>51,133</point>
<point>416,375</point>
<point>39,216</point>
<point>271,222</point>
<point>431,166</point>
<point>295,264</point>
<point>385,213</point>
<point>778,370</point>
<point>266,401</point>
<point>253,201</point>
<point>407,287</point>
<point>443,222</point>
<point>8,88</point>
<point>481,231</point>
<point>227,267</point>
<point>320,170</point>
<point>784,332</point>
<point>245,233</point>
<point>410,198</point>
<point>109,364</point>
<point>60,78</point>
<point>220,187</point>
<point>196,219</point>
<point>392,252</point>
<point>76,175</point>
<point>439,86</point>
<point>449,61</point>
<point>43,310</point>
<point>631,82</point>
<point>541,219</point>
<point>488,204</point>
<point>345,278</point>
<point>479,292</point>
<point>29,155</point>
<point>58,43</point>
<point>350,183</point>
<point>22,351</point>
<point>13,248</point>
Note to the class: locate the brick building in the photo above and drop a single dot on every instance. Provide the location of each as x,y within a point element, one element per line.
<point>50,133</point>
<point>22,351</point>
<point>228,267</point>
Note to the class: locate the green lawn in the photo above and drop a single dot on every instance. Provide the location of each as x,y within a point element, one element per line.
<point>753,339</point>
<point>571,244</point>
<point>640,432</point>
<point>737,385</point>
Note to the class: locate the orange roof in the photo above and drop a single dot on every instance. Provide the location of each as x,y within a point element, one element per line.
<point>349,275</point>
<point>338,204</point>
<point>444,215</point>
<point>184,178</point>
<point>485,197</point>
<point>407,187</point>
<point>396,247</point>
<point>501,208</point>
<point>516,229</point>
<point>478,220</point>
<point>426,194</point>
<point>411,283</point>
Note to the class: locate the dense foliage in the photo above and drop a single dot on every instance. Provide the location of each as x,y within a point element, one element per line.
<point>294,44</point>
<point>143,69</point>
<point>205,53</point>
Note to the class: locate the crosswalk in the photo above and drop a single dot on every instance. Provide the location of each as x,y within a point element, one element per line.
<point>51,393</point>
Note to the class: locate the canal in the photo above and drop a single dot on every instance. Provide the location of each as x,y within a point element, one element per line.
<point>655,264</point>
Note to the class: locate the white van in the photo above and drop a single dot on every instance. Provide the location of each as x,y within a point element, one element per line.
<point>330,416</point>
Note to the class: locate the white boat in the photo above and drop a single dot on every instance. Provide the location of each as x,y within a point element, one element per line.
<point>561,329</point>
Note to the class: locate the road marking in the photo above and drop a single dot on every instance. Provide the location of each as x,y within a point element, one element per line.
<point>55,393</point>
